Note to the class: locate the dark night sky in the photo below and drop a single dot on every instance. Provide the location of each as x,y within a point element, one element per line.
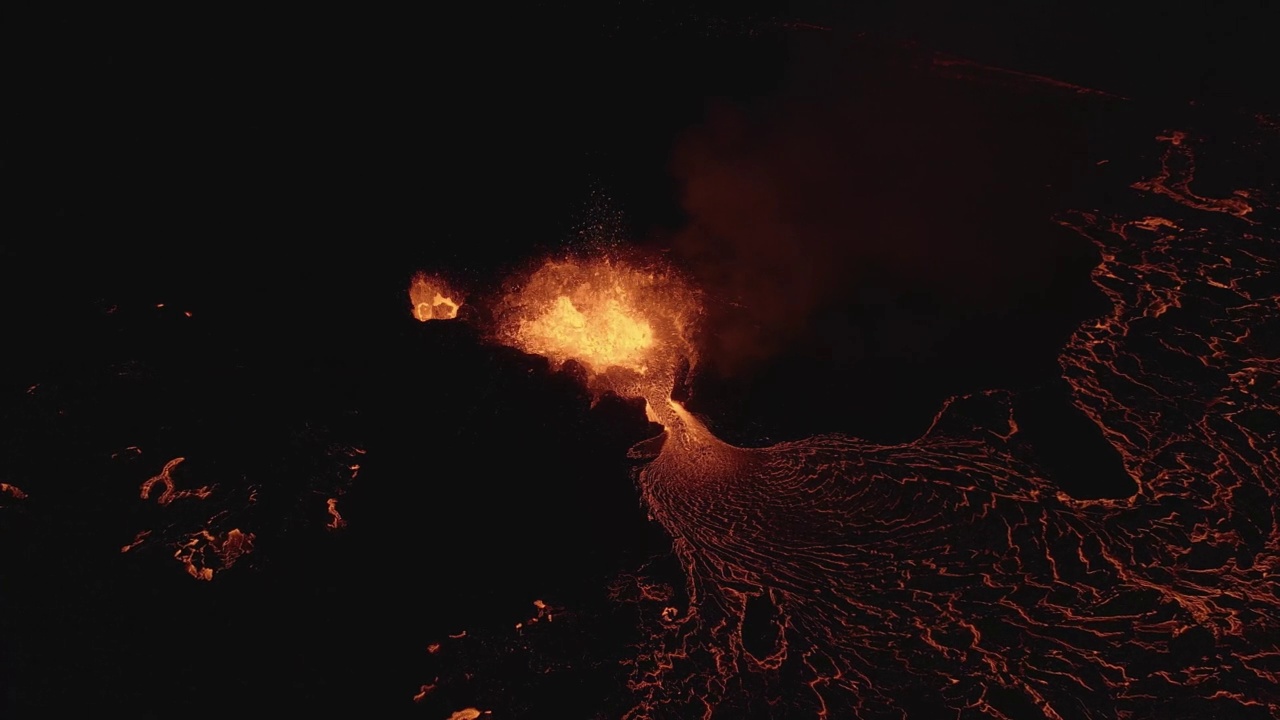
<point>282,177</point>
<point>219,155</point>
<point>254,165</point>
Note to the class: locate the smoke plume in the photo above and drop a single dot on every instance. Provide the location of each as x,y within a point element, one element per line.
<point>899,203</point>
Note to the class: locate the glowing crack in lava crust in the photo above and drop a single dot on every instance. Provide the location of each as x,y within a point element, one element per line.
<point>948,572</point>
<point>432,299</point>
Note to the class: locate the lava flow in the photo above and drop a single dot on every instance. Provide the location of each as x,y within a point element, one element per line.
<point>169,494</point>
<point>432,299</point>
<point>948,574</point>
<point>208,528</point>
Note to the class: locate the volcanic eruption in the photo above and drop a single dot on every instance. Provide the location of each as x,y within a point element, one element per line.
<point>842,274</point>
<point>948,572</point>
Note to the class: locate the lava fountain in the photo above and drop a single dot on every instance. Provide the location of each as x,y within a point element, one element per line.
<point>629,324</point>
<point>432,299</point>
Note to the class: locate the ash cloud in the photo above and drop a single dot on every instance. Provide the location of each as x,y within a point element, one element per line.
<point>878,195</point>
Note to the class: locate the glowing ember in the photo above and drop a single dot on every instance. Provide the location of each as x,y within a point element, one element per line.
<point>137,540</point>
<point>13,491</point>
<point>131,451</point>
<point>432,299</point>
<point>628,325</point>
<point>335,518</point>
<point>423,692</point>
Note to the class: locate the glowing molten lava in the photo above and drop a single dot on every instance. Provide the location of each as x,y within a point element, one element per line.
<point>432,299</point>
<point>609,334</point>
<point>202,553</point>
<point>628,325</point>
<point>169,493</point>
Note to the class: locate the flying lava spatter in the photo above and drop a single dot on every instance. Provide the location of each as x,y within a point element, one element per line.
<point>630,324</point>
<point>948,573</point>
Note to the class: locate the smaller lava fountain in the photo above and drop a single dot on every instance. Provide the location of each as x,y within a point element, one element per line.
<point>432,298</point>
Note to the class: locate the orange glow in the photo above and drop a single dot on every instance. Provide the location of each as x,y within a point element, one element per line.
<point>335,518</point>
<point>13,491</point>
<point>609,334</point>
<point>169,494</point>
<point>204,552</point>
<point>432,299</point>
<point>628,325</point>
<point>545,614</point>
<point>132,450</point>
<point>950,570</point>
<point>137,540</point>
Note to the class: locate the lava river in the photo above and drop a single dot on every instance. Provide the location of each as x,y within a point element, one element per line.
<point>948,574</point>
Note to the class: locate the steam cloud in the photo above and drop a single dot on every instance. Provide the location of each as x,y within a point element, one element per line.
<point>901,202</point>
